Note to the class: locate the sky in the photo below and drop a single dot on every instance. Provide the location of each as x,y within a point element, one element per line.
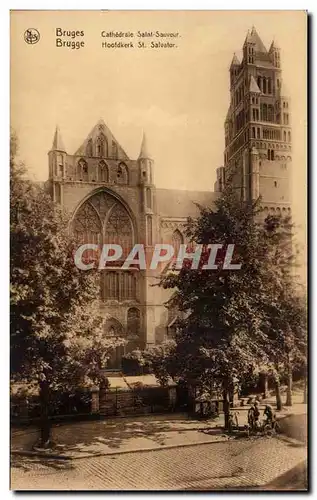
<point>178,96</point>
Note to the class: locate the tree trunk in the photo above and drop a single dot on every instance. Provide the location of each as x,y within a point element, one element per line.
<point>289,399</point>
<point>226,403</point>
<point>278,393</point>
<point>265,386</point>
<point>45,429</point>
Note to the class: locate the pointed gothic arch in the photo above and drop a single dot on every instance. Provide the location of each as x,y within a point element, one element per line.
<point>101,146</point>
<point>87,226</point>
<point>177,241</point>
<point>133,321</point>
<point>113,328</point>
<point>82,170</point>
<point>105,214</point>
<point>103,172</point>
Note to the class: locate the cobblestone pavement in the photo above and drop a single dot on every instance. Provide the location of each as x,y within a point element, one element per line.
<point>231,464</point>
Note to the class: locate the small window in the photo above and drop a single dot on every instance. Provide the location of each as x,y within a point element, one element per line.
<point>275,184</point>
<point>264,85</point>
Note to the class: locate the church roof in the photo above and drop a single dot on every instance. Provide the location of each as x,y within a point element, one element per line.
<point>144,153</point>
<point>235,61</point>
<point>58,144</point>
<point>182,204</point>
<point>254,86</point>
<point>101,128</point>
<point>253,37</point>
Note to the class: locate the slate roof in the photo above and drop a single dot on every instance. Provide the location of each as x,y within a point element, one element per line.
<point>177,203</point>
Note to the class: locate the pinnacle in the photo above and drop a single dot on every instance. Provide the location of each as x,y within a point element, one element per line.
<point>58,144</point>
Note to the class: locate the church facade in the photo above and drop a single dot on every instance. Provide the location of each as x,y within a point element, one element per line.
<point>113,199</point>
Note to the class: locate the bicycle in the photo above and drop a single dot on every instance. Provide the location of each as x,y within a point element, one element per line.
<point>270,428</point>
<point>233,423</point>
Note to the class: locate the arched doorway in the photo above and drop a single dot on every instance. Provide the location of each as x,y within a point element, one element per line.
<point>114,329</point>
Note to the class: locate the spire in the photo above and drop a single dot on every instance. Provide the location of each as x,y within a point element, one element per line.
<point>254,86</point>
<point>235,61</point>
<point>58,144</point>
<point>274,46</point>
<point>144,150</point>
<point>253,38</point>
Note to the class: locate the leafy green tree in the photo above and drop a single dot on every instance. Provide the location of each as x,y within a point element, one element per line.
<point>57,334</point>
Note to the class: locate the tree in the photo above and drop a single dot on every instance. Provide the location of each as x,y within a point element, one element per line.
<point>287,335</point>
<point>285,308</point>
<point>58,340</point>
<point>222,335</point>
<point>226,331</point>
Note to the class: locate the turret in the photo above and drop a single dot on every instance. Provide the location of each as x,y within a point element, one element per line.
<point>145,163</point>
<point>234,68</point>
<point>274,54</point>
<point>248,49</point>
<point>57,157</point>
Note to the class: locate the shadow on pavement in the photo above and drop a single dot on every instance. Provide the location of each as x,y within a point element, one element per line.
<point>26,463</point>
<point>112,433</point>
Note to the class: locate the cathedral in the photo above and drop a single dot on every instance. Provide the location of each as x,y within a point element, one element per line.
<point>113,199</point>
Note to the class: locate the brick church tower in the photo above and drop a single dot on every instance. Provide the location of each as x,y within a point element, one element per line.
<point>258,148</point>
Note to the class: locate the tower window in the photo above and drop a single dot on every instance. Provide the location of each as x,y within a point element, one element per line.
<point>102,146</point>
<point>264,85</point>
<point>258,133</point>
<point>275,184</point>
<point>253,132</point>
<point>284,135</point>
<point>289,137</point>
<point>269,82</point>
<point>270,154</point>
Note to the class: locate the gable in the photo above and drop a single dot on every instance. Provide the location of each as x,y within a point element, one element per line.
<point>100,142</point>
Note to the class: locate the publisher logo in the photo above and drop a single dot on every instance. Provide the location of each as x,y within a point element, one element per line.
<point>31,36</point>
